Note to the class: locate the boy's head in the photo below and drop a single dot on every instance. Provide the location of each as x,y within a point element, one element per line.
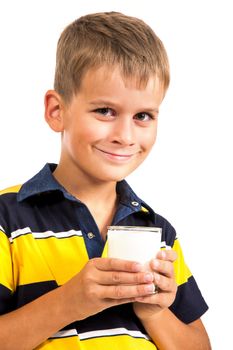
<point>111,76</point>
<point>111,39</point>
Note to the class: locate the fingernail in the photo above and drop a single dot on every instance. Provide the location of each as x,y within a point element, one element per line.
<point>148,277</point>
<point>156,277</point>
<point>137,267</point>
<point>156,263</point>
<point>150,288</point>
<point>163,254</point>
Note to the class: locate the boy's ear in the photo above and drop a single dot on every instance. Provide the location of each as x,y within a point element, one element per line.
<point>54,110</point>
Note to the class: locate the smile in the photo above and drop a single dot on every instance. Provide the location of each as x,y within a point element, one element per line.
<point>115,156</point>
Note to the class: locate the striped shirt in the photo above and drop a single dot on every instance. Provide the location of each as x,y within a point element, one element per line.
<point>47,236</point>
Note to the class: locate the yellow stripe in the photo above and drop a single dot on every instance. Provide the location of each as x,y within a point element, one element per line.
<point>104,343</point>
<point>117,342</point>
<point>182,272</point>
<point>38,260</point>
<point>13,189</point>
<point>105,250</point>
<point>71,343</point>
<point>144,210</point>
<point>65,257</point>
<point>6,277</point>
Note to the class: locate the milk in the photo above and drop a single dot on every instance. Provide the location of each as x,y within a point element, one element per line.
<point>136,243</point>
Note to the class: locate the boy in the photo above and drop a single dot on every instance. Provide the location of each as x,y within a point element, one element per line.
<point>57,290</point>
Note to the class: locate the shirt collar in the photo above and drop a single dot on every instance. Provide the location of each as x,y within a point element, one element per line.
<point>42,182</point>
<point>45,182</point>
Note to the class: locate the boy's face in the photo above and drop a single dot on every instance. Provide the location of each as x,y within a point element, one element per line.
<point>110,126</point>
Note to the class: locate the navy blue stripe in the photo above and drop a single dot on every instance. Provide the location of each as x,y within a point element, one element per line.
<point>189,304</point>
<point>26,293</point>
<point>7,301</point>
<point>64,336</point>
<point>114,317</point>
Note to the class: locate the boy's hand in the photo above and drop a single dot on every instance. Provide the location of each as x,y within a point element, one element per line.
<point>149,306</point>
<point>105,282</point>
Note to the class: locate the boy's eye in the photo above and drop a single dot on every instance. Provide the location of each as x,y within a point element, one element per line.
<point>143,117</point>
<point>105,111</point>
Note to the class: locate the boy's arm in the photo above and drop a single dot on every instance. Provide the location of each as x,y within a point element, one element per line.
<point>30,325</point>
<point>102,283</point>
<point>169,333</point>
<point>165,329</point>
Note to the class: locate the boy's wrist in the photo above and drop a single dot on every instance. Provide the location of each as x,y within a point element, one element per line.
<point>64,308</point>
<point>153,317</point>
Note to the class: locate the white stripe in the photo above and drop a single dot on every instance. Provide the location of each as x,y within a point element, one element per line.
<point>20,232</point>
<point>45,234</point>
<point>2,229</point>
<point>113,331</point>
<point>64,334</point>
<point>56,234</point>
<point>164,245</point>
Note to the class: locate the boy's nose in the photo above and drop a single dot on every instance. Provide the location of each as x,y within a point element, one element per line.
<point>124,132</point>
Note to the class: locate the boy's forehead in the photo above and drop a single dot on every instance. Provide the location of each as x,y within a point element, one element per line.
<point>98,78</point>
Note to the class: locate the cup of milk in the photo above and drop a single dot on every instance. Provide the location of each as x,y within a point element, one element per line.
<point>136,243</point>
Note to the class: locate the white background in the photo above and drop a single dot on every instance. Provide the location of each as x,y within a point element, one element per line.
<point>188,177</point>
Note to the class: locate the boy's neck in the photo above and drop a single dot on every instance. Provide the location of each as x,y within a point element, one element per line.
<point>99,197</point>
<point>83,188</point>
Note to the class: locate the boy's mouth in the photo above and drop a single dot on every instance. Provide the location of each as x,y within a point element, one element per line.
<point>116,156</point>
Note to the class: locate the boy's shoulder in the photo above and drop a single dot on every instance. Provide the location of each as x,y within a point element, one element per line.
<point>154,215</point>
<point>146,216</point>
<point>8,205</point>
<point>12,189</point>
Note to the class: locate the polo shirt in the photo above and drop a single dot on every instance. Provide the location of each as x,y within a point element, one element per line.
<point>47,236</point>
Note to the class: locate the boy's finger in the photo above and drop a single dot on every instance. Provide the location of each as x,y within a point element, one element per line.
<point>112,264</point>
<point>126,292</point>
<point>165,284</point>
<point>126,278</point>
<point>169,255</point>
<point>165,268</point>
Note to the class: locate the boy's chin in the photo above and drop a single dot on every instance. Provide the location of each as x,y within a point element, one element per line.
<point>115,177</point>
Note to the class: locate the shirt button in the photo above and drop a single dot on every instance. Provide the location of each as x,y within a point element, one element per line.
<point>135,204</point>
<point>90,235</point>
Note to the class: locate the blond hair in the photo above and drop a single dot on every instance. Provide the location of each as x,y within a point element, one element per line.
<point>111,39</point>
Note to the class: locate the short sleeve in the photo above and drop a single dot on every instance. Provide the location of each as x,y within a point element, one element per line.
<point>189,304</point>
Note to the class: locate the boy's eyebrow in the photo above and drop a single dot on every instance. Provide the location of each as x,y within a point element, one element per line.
<point>102,102</point>
<point>110,103</point>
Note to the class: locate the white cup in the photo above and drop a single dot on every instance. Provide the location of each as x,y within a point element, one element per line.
<point>136,243</point>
